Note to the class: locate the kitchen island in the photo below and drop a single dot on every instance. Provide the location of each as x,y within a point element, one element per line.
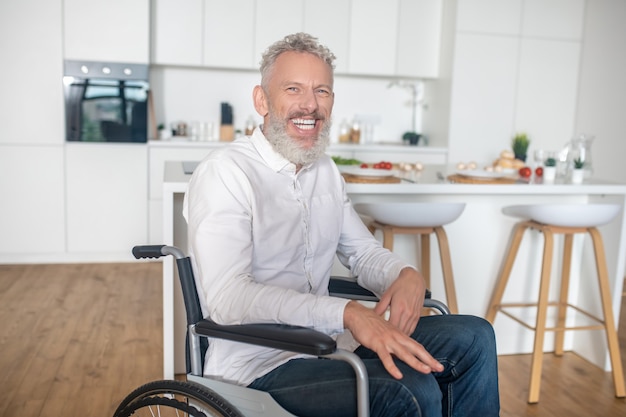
<point>478,240</point>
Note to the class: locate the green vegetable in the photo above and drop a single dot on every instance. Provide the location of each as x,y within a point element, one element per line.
<point>345,161</point>
<point>520,144</point>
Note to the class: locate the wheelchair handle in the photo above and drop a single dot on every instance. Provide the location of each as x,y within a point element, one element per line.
<point>157,251</point>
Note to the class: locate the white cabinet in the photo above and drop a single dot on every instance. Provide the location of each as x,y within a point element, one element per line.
<point>554,19</point>
<point>229,33</point>
<point>419,38</point>
<point>274,20</point>
<point>368,37</point>
<point>106,197</point>
<point>32,70</point>
<point>177,32</point>
<point>395,38</point>
<point>332,29</point>
<point>114,30</point>
<point>32,212</point>
<point>373,37</point>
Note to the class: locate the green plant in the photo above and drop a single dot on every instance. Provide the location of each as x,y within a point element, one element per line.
<point>579,163</point>
<point>520,144</point>
<point>411,137</point>
<point>550,162</point>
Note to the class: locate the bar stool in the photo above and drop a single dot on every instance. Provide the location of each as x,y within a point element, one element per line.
<point>421,219</point>
<point>568,220</point>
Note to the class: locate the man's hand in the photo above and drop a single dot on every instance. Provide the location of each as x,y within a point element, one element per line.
<point>374,332</point>
<point>405,299</point>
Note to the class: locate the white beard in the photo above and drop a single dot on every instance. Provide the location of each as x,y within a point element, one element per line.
<point>276,133</point>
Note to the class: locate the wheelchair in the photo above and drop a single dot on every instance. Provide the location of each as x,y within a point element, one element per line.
<point>200,396</point>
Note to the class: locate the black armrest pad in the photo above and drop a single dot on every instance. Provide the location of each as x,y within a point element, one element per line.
<point>348,288</point>
<point>277,336</point>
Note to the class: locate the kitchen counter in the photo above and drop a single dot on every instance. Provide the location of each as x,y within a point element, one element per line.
<point>477,239</point>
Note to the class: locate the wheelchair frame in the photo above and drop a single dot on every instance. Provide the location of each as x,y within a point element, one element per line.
<point>243,400</point>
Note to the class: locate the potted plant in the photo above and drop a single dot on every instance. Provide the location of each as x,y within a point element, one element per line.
<point>411,137</point>
<point>549,169</point>
<point>520,146</point>
<point>578,172</point>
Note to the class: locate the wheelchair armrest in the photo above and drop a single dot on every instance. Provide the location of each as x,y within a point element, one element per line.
<point>277,336</point>
<point>345,287</point>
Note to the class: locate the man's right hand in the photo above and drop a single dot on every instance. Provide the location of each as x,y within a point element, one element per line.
<point>375,333</point>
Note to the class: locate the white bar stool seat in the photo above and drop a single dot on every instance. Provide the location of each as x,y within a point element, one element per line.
<point>568,220</point>
<point>421,219</point>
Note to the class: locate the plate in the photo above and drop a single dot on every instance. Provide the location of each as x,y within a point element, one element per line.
<point>481,173</point>
<point>367,172</point>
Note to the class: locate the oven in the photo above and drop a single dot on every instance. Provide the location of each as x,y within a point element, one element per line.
<point>106,102</point>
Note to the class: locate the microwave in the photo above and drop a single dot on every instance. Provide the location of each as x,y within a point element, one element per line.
<point>106,102</point>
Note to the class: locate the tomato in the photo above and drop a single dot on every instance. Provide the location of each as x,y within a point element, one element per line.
<point>525,172</point>
<point>539,171</point>
<point>364,166</point>
<point>377,166</point>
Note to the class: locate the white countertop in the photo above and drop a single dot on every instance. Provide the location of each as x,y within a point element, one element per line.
<point>426,182</point>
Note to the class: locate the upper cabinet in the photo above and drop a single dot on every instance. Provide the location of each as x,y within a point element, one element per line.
<point>274,20</point>
<point>332,29</point>
<point>115,30</point>
<point>419,38</point>
<point>177,32</point>
<point>228,34</point>
<point>373,37</point>
<point>369,37</point>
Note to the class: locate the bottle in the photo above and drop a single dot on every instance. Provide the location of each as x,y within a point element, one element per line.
<point>250,125</point>
<point>355,132</point>
<point>344,132</point>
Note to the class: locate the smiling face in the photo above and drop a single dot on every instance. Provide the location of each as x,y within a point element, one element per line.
<point>296,103</point>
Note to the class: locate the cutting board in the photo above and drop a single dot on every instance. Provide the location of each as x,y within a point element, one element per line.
<point>370,180</point>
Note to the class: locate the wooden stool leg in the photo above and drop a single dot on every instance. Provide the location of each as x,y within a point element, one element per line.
<point>609,322</point>
<point>542,311</point>
<point>559,335</point>
<point>424,258</point>
<point>446,267</point>
<point>505,271</point>
<point>388,238</point>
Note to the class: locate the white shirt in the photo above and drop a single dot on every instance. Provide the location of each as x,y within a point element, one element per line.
<point>263,240</point>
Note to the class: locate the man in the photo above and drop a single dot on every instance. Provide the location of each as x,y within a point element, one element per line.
<point>267,215</point>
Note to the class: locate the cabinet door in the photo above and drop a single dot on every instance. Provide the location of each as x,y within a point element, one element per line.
<point>107,202</point>
<point>419,38</point>
<point>229,34</point>
<point>373,37</point>
<point>331,28</point>
<point>113,30</point>
<point>274,20</point>
<point>177,37</point>
<point>32,212</point>
<point>32,48</point>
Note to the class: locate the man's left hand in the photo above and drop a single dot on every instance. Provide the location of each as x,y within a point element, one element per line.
<point>405,299</point>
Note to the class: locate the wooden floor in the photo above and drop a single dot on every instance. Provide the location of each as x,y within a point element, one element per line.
<point>75,339</point>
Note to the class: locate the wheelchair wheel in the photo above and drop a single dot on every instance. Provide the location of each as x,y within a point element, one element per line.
<point>175,398</point>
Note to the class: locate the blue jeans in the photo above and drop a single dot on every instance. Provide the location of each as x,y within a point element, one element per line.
<point>468,386</point>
